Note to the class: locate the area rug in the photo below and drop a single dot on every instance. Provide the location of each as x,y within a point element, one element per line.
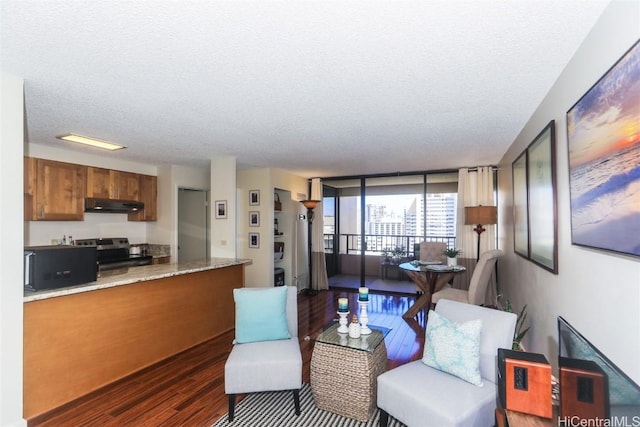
<point>276,409</point>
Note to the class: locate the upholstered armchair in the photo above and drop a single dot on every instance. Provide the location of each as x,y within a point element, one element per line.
<point>477,285</point>
<point>266,353</point>
<point>455,384</point>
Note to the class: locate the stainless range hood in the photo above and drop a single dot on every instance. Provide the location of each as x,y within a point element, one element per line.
<point>111,206</point>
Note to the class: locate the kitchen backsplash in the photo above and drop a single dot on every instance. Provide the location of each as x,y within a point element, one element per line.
<point>159,250</point>
<point>38,233</point>
<point>153,249</point>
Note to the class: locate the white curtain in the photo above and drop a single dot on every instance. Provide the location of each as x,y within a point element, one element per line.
<point>319,278</point>
<point>475,188</point>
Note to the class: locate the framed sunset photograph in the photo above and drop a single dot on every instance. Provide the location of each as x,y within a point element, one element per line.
<point>603,133</point>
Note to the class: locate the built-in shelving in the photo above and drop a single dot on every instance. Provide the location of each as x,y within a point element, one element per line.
<point>281,237</point>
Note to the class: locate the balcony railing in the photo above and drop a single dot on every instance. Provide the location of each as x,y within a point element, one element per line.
<point>377,243</point>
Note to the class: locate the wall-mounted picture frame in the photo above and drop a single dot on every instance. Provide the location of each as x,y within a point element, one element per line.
<point>535,204</point>
<point>520,206</point>
<point>254,197</point>
<point>603,140</point>
<point>221,209</point>
<point>254,240</point>
<point>254,219</point>
<point>543,215</point>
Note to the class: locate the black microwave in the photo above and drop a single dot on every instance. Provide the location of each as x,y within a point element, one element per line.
<point>53,267</point>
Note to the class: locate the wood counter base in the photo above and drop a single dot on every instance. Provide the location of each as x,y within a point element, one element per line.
<point>75,344</point>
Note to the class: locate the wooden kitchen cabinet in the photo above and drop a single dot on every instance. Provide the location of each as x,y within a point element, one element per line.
<point>148,194</point>
<point>54,191</point>
<point>125,185</point>
<point>98,183</point>
<point>112,184</point>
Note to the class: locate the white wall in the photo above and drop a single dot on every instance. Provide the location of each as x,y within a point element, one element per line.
<point>223,187</point>
<point>11,292</point>
<point>170,178</point>
<point>87,156</point>
<point>597,292</point>
<point>260,272</point>
<point>94,225</point>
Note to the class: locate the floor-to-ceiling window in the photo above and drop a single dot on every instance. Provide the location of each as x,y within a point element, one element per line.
<point>377,216</point>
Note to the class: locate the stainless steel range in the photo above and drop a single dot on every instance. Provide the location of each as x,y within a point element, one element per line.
<point>113,253</point>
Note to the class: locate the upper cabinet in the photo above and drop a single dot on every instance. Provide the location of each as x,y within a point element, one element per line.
<point>148,194</point>
<point>126,185</point>
<point>54,191</point>
<point>98,183</point>
<point>112,184</point>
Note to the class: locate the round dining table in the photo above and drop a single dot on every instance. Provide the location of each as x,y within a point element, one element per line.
<point>430,277</point>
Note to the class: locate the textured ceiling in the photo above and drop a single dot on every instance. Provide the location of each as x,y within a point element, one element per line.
<point>318,88</point>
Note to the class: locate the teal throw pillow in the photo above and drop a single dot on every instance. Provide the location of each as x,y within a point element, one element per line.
<point>261,314</point>
<point>453,347</point>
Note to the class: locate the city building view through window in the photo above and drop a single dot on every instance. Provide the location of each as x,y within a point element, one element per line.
<point>396,215</point>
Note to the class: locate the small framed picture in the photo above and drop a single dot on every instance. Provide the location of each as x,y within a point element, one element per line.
<point>221,209</point>
<point>254,240</point>
<point>254,197</point>
<point>254,219</point>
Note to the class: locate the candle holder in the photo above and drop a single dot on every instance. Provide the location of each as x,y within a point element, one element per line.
<point>364,318</point>
<point>343,329</point>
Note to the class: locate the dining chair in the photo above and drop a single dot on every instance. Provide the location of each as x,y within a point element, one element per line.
<point>477,285</point>
<point>433,251</point>
<point>266,353</point>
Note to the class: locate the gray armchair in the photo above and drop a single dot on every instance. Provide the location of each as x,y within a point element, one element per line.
<point>267,365</point>
<point>419,395</point>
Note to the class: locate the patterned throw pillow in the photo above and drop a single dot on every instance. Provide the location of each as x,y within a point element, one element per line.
<point>453,347</point>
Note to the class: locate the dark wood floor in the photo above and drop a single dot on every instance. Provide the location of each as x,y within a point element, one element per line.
<point>188,389</point>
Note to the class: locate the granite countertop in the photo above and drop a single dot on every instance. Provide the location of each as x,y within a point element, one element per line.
<point>127,276</point>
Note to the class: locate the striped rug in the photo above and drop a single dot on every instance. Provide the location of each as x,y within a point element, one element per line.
<point>276,409</point>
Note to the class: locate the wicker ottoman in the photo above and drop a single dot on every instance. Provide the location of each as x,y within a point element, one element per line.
<point>344,379</point>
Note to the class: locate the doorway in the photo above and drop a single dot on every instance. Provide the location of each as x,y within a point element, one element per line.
<point>193,230</point>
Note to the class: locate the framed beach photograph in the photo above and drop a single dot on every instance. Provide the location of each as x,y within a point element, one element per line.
<point>520,206</point>
<point>254,219</point>
<point>221,209</point>
<point>254,240</point>
<point>603,140</point>
<point>535,211</point>
<point>254,197</point>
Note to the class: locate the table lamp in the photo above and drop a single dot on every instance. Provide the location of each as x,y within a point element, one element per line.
<point>479,216</point>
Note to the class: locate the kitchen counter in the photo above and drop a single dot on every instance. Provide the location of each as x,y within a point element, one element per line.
<point>127,276</point>
<point>79,339</point>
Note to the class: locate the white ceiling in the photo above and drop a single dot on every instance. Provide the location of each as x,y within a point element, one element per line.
<point>318,88</point>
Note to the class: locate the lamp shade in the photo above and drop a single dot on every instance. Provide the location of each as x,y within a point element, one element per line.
<point>310,204</point>
<point>480,215</point>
